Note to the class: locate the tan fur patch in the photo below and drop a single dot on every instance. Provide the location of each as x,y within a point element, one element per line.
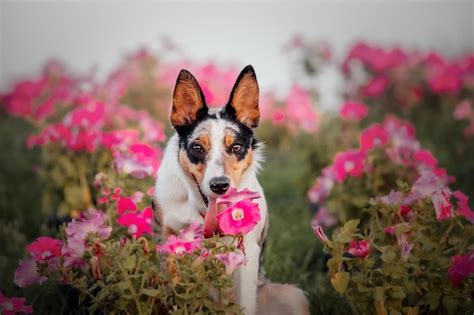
<point>229,140</point>
<point>245,101</point>
<point>205,142</point>
<point>191,169</point>
<point>235,168</point>
<point>187,100</point>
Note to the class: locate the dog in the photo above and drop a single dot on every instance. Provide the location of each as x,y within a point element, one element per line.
<point>212,150</point>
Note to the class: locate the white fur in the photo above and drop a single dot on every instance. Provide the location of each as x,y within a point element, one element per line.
<point>180,201</point>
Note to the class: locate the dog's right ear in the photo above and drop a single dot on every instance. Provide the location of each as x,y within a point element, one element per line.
<point>188,101</point>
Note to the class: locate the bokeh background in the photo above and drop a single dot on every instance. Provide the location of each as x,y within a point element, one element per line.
<point>129,53</point>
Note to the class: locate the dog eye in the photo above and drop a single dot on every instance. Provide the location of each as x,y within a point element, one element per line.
<point>197,148</point>
<point>237,148</point>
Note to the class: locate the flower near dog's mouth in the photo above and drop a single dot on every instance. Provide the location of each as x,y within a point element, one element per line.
<point>239,213</point>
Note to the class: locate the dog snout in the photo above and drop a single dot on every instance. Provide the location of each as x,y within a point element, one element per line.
<point>219,185</point>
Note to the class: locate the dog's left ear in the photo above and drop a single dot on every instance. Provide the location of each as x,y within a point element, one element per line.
<point>243,101</point>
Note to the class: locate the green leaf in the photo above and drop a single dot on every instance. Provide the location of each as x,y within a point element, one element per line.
<point>151,292</point>
<point>340,281</point>
<point>130,262</point>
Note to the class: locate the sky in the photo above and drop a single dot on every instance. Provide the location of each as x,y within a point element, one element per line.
<point>85,34</point>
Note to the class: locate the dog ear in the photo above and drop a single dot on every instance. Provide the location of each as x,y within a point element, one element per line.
<point>243,101</point>
<point>188,100</point>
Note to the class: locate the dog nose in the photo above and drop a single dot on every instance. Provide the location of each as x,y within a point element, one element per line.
<point>219,185</point>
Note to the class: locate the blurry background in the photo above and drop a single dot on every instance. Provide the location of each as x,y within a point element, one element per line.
<point>97,33</point>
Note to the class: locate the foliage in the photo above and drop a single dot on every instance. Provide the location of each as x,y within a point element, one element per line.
<point>409,262</point>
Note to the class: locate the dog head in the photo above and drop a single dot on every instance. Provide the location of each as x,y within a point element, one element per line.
<point>217,146</point>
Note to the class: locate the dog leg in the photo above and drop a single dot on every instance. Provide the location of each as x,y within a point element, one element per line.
<point>247,278</point>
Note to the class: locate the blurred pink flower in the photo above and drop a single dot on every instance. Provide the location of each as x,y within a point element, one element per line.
<point>429,185</point>
<point>240,217</point>
<point>139,160</point>
<point>175,246</point>
<point>188,240</point>
<point>323,185</point>
<point>353,111</point>
<point>376,86</point>
<point>125,204</point>
<point>348,163</point>
<point>463,206</point>
<point>44,248</point>
<point>461,268</point>
<point>463,110</point>
<point>10,306</point>
<point>426,158</point>
<point>360,249</point>
<point>373,136</point>
<point>27,274</point>
<point>323,218</point>
<point>137,222</point>
<point>88,228</point>
<point>445,80</point>
<point>300,111</point>
<point>231,261</point>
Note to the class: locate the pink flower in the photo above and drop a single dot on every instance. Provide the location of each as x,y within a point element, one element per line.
<point>240,217</point>
<point>376,86</point>
<point>89,113</point>
<point>461,268</point>
<point>187,241</point>
<point>232,196</point>
<point>27,274</point>
<point>125,204</point>
<point>426,158</point>
<point>278,117</point>
<point>323,185</point>
<point>353,111</point>
<point>175,246</point>
<point>74,253</point>
<point>445,80</point>
<point>429,185</point>
<point>84,228</point>
<point>140,160</point>
<point>348,163</point>
<point>300,110</point>
<point>360,249</point>
<point>463,110</point>
<point>45,248</point>
<point>463,206</point>
<point>137,222</point>
<point>374,136</point>
<point>318,230</point>
<point>231,261</point>
<point>11,306</point>
<point>323,218</point>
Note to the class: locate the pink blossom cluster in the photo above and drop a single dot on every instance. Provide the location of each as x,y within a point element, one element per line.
<point>137,222</point>
<point>93,124</point>
<point>37,99</point>
<point>216,81</point>
<point>438,74</point>
<point>398,141</point>
<point>296,111</point>
<point>188,241</point>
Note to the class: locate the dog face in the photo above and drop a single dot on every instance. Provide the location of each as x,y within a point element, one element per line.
<point>216,145</point>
